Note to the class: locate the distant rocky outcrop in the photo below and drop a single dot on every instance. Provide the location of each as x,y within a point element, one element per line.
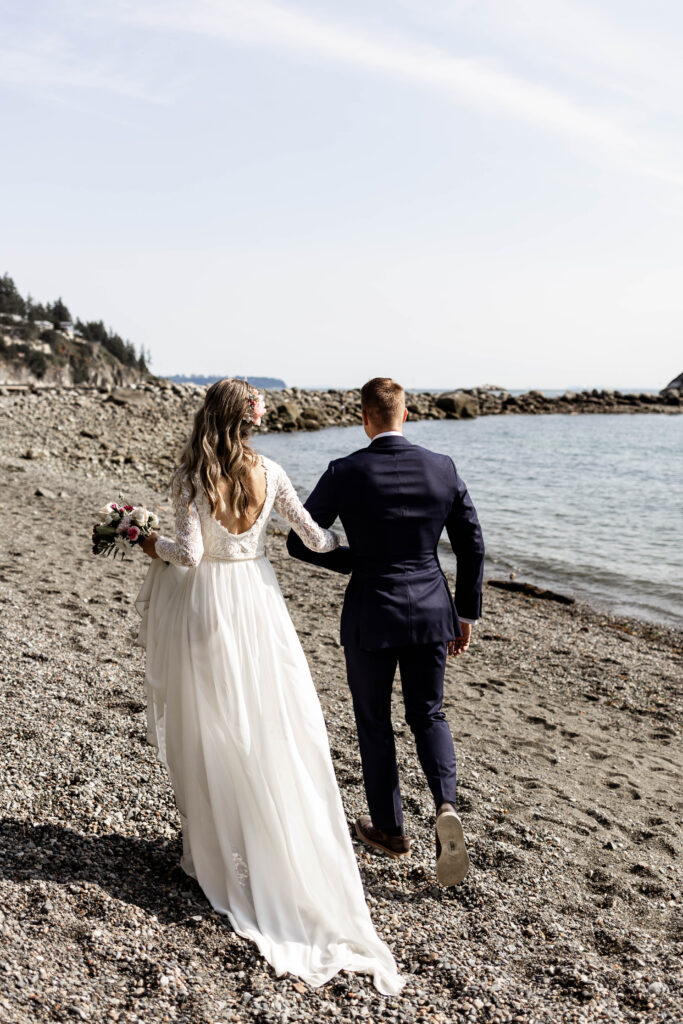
<point>674,387</point>
<point>42,344</point>
<point>295,409</point>
<point>204,381</point>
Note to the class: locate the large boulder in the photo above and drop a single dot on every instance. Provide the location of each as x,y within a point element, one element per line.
<point>309,412</point>
<point>458,405</point>
<point>675,385</point>
<point>128,396</point>
<point>288,411</point>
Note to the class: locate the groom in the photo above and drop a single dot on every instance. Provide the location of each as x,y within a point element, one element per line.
<point>394,500</point>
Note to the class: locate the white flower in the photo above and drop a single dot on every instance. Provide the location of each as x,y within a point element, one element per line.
<point>139,515</point>
<point>106,511</point>
<point>122,544</point>
<point>153,520</point>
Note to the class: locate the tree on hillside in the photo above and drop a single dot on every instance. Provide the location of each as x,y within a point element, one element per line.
<point>59,313</point>
<point>124,351</point>
<point>36,310</point>
<point>144,360</point>
<point>93,330</point>
<point>10,299</point>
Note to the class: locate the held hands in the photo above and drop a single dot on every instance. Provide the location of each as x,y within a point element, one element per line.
<point>148,543</point>
<point>460,645</point>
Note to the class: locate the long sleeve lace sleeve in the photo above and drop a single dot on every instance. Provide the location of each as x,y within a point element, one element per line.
<point>289,506</point>
<point>188,547</point>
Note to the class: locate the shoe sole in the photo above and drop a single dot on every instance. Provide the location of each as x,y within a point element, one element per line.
<point>454,862</point>
<point>376,846</point>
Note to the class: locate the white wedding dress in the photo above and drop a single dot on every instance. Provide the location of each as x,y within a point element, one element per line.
<point>235,717</point>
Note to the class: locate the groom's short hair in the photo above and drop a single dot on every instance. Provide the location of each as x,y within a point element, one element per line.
<point>382,399</point>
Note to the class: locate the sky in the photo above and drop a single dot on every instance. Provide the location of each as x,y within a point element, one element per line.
<point>449,192</point>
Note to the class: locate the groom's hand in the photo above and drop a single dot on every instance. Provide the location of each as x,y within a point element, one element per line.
<point>460,645</point>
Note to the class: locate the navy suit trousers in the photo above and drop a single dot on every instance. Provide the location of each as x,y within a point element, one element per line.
<point>371,677</point>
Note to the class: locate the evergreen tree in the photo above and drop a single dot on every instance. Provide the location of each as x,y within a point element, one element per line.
<point>93,330</point>
<point>59,312</point>
<point>10,299</point>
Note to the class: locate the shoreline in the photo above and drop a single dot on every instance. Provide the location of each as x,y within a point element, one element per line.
<point>295,409</point>
<point>135,434</point>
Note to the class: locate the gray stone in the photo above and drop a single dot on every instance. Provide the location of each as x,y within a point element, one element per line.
<point>459,405</point>
<point>289,411</point>
<point>127,396</point>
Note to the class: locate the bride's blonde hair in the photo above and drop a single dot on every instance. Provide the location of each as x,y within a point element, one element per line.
<point>219,447</point>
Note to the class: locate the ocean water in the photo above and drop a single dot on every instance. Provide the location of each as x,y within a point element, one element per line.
<point>589,505</point>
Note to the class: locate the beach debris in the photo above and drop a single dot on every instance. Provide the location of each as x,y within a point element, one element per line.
<point>518,587</point>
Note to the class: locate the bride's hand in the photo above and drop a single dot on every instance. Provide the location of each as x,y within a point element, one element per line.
<point>460,645</point>
<point>148,543</point>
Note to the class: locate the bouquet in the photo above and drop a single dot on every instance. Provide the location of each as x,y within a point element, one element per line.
<point>120,527</point>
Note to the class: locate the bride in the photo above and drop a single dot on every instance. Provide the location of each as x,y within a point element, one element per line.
<point>234,714</point>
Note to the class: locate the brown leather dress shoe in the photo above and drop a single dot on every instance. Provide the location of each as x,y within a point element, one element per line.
<point>394,846</point>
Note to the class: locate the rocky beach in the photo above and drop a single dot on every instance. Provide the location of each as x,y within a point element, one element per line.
<point>567,730</point>
<point>294,408</point>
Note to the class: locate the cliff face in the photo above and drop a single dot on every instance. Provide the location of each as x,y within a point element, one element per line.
<point>39,353</point>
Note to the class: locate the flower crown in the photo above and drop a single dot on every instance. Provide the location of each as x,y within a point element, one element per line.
<point>257,407</point>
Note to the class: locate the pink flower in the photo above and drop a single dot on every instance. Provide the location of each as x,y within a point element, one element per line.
<point>123,525</point>
<point>133,533</point>
<point>128,508</point>
<point>259,411</point>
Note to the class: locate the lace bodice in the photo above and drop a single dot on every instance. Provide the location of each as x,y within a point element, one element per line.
<point>199,536</point>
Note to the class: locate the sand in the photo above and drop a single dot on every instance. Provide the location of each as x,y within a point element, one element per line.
<point>567,730</point>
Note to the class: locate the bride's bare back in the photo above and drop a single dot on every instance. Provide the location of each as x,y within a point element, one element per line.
<point>256,486</point>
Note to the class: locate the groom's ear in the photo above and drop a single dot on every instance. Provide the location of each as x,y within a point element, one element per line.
<point>405,414</point>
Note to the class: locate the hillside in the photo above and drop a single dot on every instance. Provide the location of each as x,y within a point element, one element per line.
<point>43,344</point>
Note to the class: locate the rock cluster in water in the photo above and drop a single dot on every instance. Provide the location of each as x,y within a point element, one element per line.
<point>292,409</point>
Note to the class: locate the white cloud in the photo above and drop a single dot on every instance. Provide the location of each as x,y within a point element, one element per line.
<point>259,22</point>
<point>639,62</point>
<point>473,82</point>
<point>555,33</point>
<point>48,65</point>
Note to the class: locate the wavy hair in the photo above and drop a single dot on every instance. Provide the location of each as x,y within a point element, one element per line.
<point>219,447</point>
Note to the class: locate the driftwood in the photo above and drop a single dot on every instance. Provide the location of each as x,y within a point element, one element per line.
<point>531,591</point>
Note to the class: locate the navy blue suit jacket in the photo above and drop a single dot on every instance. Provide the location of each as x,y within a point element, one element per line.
<point>394,500</point>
